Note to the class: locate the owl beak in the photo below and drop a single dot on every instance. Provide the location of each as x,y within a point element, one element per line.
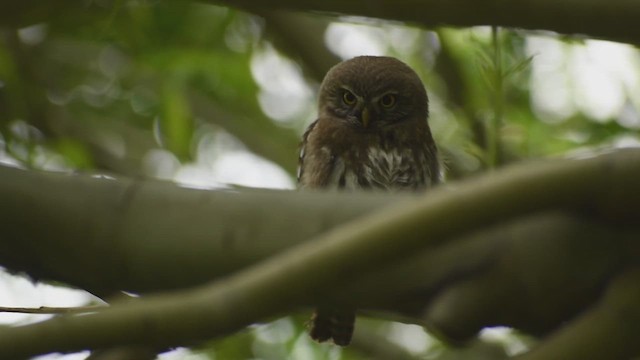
<point>365,117</point>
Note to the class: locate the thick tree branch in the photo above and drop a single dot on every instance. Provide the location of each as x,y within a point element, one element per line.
<point>294,277</point>
<point>122,231</point>
<point>144,236</point>
<point>614,19</point>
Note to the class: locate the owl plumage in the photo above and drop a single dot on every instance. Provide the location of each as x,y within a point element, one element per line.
<point>371,133</point>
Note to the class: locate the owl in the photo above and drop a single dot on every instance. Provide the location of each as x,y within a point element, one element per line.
<point>371,133</point>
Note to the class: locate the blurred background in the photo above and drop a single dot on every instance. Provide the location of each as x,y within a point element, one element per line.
<point>209,96</point>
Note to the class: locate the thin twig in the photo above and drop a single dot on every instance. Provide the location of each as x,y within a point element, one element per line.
<point>53,310</point>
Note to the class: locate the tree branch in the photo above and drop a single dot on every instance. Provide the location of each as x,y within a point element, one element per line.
<point>52,310</point>
<point>613,20</point>
<point>296,276</point>
<point>121,232</point>
<point>609,331</point>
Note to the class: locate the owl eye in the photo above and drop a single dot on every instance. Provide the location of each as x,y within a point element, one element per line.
<point>388,100</point>
<point>349,98</point>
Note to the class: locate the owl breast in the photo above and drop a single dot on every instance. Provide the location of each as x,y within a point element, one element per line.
<point>379,168</point>
<point>389,169</point>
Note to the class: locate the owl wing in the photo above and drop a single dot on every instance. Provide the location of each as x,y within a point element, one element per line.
<point>317,166</point>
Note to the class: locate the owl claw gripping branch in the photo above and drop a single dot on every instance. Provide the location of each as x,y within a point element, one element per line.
<point>371,133</point>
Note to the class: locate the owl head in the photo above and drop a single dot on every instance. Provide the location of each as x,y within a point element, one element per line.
<point>373,92</point>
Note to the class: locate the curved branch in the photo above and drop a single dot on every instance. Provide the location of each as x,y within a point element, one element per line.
<point>609,331</point>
